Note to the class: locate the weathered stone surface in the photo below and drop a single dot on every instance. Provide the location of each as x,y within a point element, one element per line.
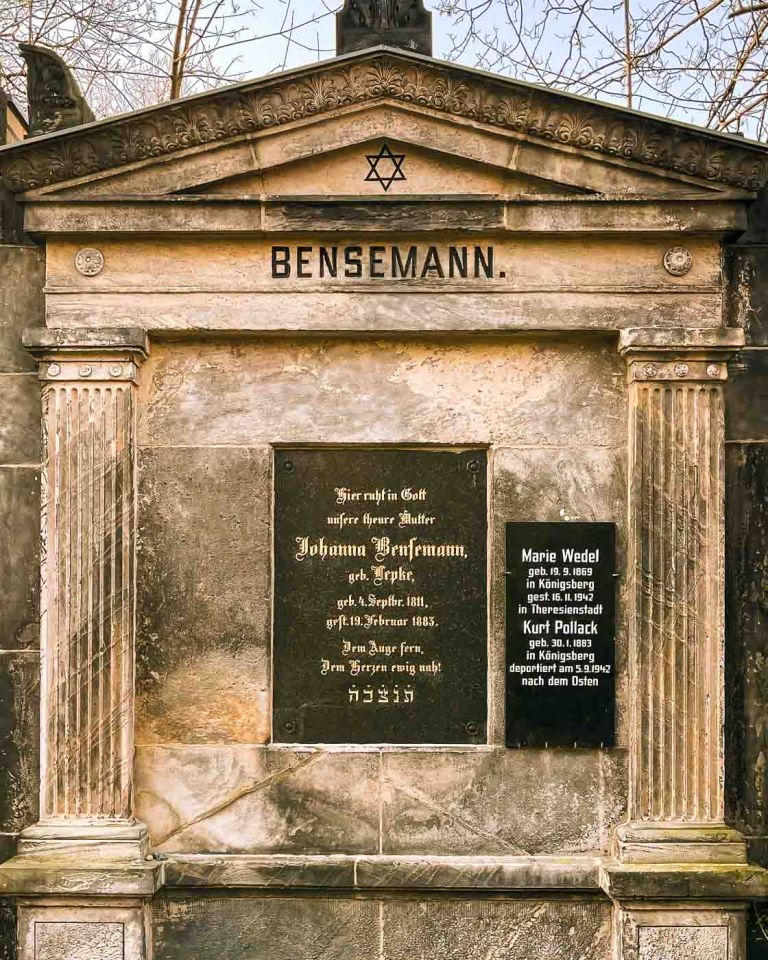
<point>277,928</point>
<point>7,929</point>
<point>747,643</point>
<point>204,595</point>
<point>19,566</point>
<point>54,940</point>
<point>478,930</point>
<point>746,409</point>
<point>343,929</point>
<point>246,799</point>
<point>22,272</point>
<point>682,943</point>
<point>553,393</point>
<point>501,801</point>
<point>747,291</point>
<point>20,423</point>
<point>658,931</point>
<point>477,873</point>
<point>19,719</point>
<point>83,928</point>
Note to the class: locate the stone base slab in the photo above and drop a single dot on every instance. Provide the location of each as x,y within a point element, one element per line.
<point>120,839</point>
<point>673,843</point>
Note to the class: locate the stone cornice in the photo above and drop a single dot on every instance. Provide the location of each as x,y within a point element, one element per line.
<point>382,74</point>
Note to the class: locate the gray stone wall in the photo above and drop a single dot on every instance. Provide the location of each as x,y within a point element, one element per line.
<point>21,305</point>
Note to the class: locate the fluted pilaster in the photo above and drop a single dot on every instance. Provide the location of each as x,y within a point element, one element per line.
<point>88,583</point>
<point>676,595</point>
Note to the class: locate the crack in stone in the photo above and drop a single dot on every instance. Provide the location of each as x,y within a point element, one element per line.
<point>471,828</point>
<point>243,791</point>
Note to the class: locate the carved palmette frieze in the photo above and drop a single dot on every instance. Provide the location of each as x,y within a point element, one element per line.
<point>88,593</point>
<point>676,586</point>
<point>258,105</point>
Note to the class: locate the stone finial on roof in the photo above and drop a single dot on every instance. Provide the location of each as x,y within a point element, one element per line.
<point>55,99</point>
<point>396,23</point>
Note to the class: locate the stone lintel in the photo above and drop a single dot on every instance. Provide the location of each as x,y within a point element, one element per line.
<point>658,343</point>
<point>209,214</point>
<point>110,342</point>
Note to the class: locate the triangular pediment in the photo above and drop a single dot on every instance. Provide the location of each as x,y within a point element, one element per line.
<point>312,131</point>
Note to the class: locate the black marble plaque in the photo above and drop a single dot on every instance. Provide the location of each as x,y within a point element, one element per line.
<point>380,596</point>
<point>560,626</point>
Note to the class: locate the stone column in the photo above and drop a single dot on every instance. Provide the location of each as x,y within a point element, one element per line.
<point>88,586</point>
<point>676,596</point>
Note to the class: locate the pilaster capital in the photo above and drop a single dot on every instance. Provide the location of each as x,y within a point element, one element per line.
<point>110,354</point>
<point>679,353</point>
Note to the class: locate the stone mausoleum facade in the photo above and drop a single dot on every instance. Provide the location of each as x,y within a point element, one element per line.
<point>401,279</point>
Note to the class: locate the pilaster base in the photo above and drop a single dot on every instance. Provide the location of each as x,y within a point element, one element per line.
<point>83,929</point>
<point>678,843</point>
<point>87,838</point>
<point>658,931</point>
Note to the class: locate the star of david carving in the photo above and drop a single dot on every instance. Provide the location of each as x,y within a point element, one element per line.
<point>386,167</point>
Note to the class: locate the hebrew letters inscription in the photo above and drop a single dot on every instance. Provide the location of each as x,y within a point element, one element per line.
<point>380,596</point>
<point>560,634</point>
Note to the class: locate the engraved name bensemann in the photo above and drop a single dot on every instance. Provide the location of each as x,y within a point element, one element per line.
<point>384,262</point>
<point>380,595</point>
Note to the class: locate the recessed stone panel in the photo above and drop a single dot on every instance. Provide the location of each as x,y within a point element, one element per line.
<point>502,930</point>
<point>74,940</point>
<point>203,595</point>
<point>501,802</point>
<point>243,799</point>
<point>274,928</point>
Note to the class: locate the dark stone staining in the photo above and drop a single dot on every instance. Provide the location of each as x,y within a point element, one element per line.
<point>203,595</point>
<point>22,274</point>
<point>746,407</point>
<point>746,290</point>
<point>7,929</point>
<point>19,696</point>
<point>746,753</point>
<point>20,430</point>
<point>19,567</point>
<point>274,928</point>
